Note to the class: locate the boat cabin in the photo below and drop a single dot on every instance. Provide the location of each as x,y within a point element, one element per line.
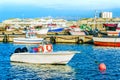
<point>110,27</point>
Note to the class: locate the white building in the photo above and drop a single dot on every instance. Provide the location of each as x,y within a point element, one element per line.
<point>106,14</point>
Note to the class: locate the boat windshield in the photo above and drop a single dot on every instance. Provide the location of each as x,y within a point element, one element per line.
<point>45,42</point>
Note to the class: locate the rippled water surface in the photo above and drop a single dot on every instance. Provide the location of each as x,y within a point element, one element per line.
<point>83,66</point>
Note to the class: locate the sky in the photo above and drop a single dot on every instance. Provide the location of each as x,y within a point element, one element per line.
<point>68,9</point>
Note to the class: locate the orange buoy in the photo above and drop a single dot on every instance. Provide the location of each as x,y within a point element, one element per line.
<point>102,67</point>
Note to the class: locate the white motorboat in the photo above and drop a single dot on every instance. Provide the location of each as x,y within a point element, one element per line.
<point>42,55</point>
<point>42,31</point>
<point>60,57</point>
<point>38,31</point>
<point>77,31</point>
<point>29,39</point>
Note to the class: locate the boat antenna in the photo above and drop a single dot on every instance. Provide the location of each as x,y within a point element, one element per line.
<point>95,16</point>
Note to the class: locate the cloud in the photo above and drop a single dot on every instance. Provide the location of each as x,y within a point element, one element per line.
<point>65,4</point>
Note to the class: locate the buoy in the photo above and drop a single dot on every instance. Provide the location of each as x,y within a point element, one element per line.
<point>102,67</point>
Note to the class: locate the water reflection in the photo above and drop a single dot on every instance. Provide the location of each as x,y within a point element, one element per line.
<point>35,71</point>
<point>105,47</point>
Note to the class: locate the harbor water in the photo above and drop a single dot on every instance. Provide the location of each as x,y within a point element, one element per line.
<point>83,66</point>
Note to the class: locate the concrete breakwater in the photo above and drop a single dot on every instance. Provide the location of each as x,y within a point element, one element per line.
<point>52,38</point>
<point>68,39</point>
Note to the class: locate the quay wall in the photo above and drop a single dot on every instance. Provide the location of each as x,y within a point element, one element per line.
<point>52,38</point>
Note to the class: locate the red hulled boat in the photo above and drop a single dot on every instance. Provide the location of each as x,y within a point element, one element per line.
<point>107,41</point>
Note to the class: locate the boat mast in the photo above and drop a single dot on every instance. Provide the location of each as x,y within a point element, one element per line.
<point>95,16</point>
<point>95,27</point>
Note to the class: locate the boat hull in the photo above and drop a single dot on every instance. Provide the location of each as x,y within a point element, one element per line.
<point>103,41</point>
<point>27,40</point>
<point>77,33</point>
<point>55,29</point>
<point>42,31</point>
<point>61,57</point>
<point>113,33</point>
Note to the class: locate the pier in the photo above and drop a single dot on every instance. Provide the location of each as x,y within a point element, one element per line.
<point>8,37</point>
<point>68,39</point>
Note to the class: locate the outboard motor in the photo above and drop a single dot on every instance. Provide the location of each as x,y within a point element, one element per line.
<point>18,50</point>
<point>24,49</point>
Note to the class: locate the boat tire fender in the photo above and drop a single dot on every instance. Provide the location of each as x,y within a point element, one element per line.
<point>49,48</point>
<point>5,39</point>
<point>80,41</point>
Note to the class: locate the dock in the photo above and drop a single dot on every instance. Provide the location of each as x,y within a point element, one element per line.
<point>52,38</point>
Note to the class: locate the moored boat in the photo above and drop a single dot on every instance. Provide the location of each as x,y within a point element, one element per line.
<point>42,31</point>
<point>107,41</point>
<point>112,29</point>
<point>30,38</point>
<point>38,30</point>
<point>56,29</point>
<point>77,31</point>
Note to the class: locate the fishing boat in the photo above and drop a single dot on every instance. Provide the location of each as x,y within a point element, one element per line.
<point>81,30</point>
<point>77,31</point>
<point>42,31</point>
<point>30,38</point>
<point>107,41</point>
<point>38,29</point>
<point>112,29</point>
<point>43,54</point>
<point>55,29</point>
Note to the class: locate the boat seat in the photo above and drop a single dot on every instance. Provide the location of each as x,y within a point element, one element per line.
<point>18,50</point>
<point>24,49</point>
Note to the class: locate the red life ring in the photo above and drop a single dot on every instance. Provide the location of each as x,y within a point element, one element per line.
<point>41,48</point>
<point>49,48</point>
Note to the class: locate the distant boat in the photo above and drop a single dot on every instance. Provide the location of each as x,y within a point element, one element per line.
<point>56,29</point>
<point>37,31</point>
<point>29,39</point>
<point>42,31</point>
<point>76,31</point>
<point>43,54</point>
<point>107,41</point>
<point>112,29</point>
